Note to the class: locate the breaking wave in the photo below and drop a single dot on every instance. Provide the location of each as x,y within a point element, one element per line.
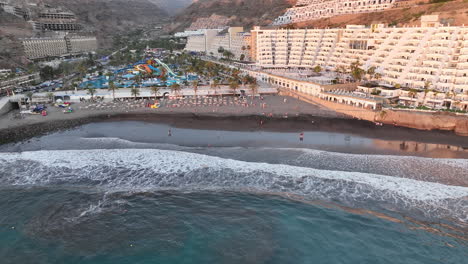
<point>150,169</point>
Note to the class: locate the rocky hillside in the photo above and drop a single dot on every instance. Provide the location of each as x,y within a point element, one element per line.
<point>110,17</point>
<point>172,6</point>
<point>245,13</point>
<point>11,29</point>
<point>104,18</point>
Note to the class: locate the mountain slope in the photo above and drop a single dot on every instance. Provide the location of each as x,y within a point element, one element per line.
<point>245,13</point>
<point>110,17</point>
<point>172,6</point>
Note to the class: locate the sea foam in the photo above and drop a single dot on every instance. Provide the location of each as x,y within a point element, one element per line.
<point>144,169</point>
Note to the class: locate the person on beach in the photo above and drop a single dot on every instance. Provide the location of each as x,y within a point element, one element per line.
<point>301,136</point>
<point>169,133</point>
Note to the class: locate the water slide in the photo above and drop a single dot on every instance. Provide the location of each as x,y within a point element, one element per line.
<point>167,68</point>
<point>154,68</point>
<point>148,70</point>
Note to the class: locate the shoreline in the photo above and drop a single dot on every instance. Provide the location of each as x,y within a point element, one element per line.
<point>417,120</point>
<point>235,122</point>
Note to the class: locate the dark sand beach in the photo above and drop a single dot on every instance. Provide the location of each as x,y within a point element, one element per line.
<point>277,114</point>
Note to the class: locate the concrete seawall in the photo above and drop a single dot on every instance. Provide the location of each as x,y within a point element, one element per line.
<point>417,120</point>
<point>5,105</point>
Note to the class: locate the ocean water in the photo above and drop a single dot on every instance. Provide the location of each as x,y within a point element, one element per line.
<point>127,193</point>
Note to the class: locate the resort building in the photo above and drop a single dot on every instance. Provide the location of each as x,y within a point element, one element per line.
<point>353,98</point>
<point>14,10</point>
<point>213,42</point>
<point>56,26</point>
<point>411,98</point>
<point>56,14</point>
<point>81,44</point>
<point>306,10</point>
<point>430,56</point>
<point>5,72</point>
<point>55,19</point>
<point>38,48</point>
<point>22,80</point>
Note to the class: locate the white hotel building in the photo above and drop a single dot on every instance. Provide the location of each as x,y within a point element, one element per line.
<point>208,41</point>
<point>408,56</point>
<point>39,48</point>
<point>306,10</point>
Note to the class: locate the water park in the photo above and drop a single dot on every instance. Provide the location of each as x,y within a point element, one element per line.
<point>145,73</point>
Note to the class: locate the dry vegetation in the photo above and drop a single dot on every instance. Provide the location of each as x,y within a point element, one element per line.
<point>245,13</point>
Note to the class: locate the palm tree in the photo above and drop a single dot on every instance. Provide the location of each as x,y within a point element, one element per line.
<point>75,86</point>
<point>341,70</point>
<point>371,72</point>
<point>235,73</point>
<point>109,74</point>
<point>377,76</point>
<point>175,88</point>
<point>426,91</point>
<point>434,94</point>
<point>138,80</point>
<point>228,55</point>
<point>427,85</point>
<point>234,85</point>
<point>29,95</point>
<point>50,96</point>
<point>412,93</point>
<point>113,88</point>
<point>254,88</point>
<point>195,84</point>
<point>356,71</point>
<point>163,79</point>
<point>135,92</point>
<point>155,91</point>
<point>246,79</point>
<point>317,69</point>
<point>91,91</point>
<point>83,70</point>
<point>215,84</point>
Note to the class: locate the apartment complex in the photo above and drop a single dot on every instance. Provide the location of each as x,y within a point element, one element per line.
<point>14,10</point>
<point>209,41</point>
<point>409,56</point>
<point>56,14</point>
<point>38,48</point>
<point>22,80</point>
<point>306,10</point>
<point>55,19</point>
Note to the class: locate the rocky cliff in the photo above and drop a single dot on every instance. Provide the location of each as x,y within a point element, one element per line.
<point>412,119</point>
<point>172,6</point>
<point>110,17</point>
<point>245,13</point>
